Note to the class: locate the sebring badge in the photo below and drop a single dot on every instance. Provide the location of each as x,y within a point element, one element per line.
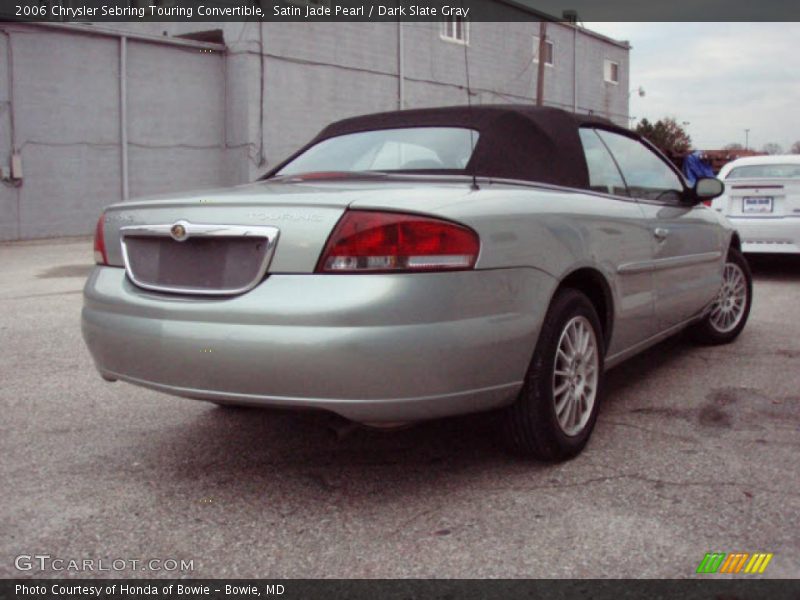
<point>178,232</point>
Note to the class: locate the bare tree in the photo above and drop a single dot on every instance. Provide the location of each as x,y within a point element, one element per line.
<point>734,146</point>
<point>772,148</point>
<point>666,135</point>
<point>795,148</point>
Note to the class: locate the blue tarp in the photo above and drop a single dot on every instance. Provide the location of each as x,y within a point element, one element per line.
<point>694,167</point>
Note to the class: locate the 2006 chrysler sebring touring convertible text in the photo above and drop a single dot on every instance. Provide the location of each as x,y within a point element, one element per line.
<point>418,264</point>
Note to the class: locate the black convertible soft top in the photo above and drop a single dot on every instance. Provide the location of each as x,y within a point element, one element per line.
<point>530,143</point>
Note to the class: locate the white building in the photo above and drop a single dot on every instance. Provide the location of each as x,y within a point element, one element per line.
<point>95,114</point>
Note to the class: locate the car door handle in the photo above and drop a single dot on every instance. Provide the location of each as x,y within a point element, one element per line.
<point>660,233</point>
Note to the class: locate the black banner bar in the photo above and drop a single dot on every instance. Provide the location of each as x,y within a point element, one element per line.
<point>373,589</point>
<point>82,11</point>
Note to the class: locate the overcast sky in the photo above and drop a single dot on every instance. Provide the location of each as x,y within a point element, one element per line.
<point>720,77</point>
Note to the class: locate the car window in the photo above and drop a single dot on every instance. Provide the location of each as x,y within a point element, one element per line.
<point>604,174</point>
<point>392,154</point>
<point>647,176</point>
<point>405,149</point>
<point>766,171</point>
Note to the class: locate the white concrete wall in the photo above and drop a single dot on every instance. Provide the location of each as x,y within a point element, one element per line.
<point>9,196</point>
<point>319,72</point>
<point>199,119</point>
<point>67,120</point>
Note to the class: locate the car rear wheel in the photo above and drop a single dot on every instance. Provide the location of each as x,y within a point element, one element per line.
<point>556,410</point>
<point>730,310</point>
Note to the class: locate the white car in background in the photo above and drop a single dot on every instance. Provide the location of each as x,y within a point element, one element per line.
<point>762,200</point>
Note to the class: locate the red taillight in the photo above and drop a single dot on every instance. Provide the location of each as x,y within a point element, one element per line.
<point>708,202</point>
<point>366,241</point>
<point>100,256</point>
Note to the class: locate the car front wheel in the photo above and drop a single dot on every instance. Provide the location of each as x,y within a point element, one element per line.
<point>728,315</point>
<point>557,408</point>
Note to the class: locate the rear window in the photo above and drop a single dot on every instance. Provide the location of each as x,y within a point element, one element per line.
<point>406,149</point>
<point>765,171</point>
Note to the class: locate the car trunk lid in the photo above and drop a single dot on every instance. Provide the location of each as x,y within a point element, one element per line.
<point>762,198</point>
<point>225,242</point>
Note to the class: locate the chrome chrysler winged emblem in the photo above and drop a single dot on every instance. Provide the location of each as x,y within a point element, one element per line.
<point>178,232</point>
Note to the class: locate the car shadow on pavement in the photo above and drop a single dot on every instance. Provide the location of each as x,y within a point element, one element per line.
<point>775,267</point>
<point>672,351</point>
<point>271,464</point>
<point>232,444</point>
<point>316,434</point>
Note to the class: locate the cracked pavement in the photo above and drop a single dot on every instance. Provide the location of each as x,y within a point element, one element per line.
<point>695,450</point>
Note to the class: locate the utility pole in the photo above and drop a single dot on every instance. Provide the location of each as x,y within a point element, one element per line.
<point>540,70</point>
<point>571,16</point>
<point>746,139</point>
<point>401,76</point>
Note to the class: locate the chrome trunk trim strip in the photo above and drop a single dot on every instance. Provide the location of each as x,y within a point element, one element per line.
<point>191,230</point>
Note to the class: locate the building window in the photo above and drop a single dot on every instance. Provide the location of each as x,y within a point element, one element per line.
<point>455,29</point>
<point>611,71</point>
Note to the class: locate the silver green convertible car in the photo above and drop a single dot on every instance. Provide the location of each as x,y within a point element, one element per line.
<point>419,264</point>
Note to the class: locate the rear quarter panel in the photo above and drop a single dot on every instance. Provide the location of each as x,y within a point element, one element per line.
<point>557,232</point>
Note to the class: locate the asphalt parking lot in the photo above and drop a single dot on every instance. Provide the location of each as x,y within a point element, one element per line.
<point>696,450</point>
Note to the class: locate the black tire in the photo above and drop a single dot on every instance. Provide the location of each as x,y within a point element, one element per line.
<point>531,425</point>
<point>707,332</point>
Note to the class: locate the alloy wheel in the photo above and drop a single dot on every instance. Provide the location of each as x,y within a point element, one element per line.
<point>729,307</point>
<point>575,375</point>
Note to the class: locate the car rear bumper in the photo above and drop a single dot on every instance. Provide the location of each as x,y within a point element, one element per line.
<point>372,348</point>
<point>769,235</point>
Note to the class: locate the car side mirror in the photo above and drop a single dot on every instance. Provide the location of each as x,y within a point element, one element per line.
<point>706,189</point>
